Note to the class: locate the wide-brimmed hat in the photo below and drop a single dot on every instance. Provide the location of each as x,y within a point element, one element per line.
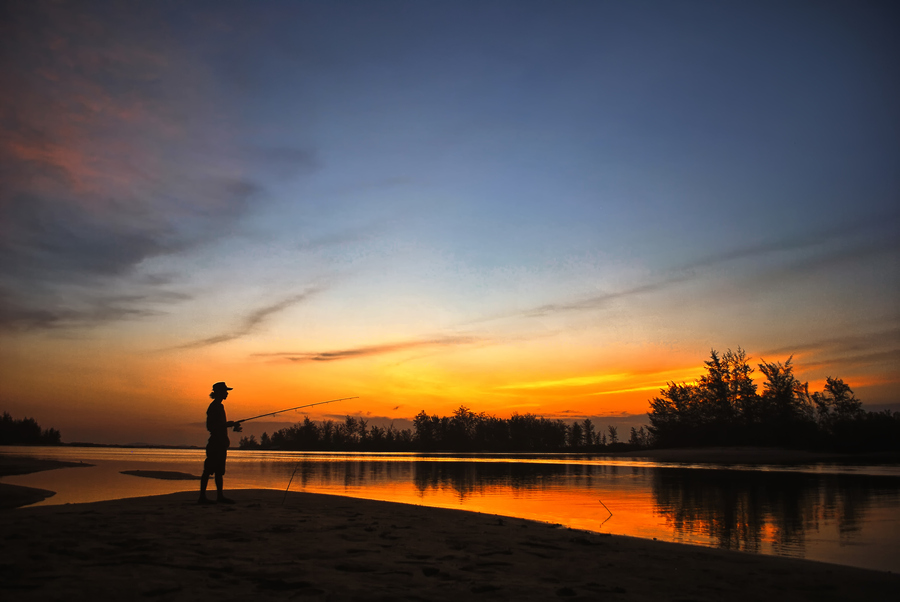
<point>220,386</point>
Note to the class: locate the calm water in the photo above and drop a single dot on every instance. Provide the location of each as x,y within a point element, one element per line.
<point>843,514</point>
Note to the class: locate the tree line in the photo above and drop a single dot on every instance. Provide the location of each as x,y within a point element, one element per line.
<point>464,431</point>
<point>26,431</point>
<point>725,407</point>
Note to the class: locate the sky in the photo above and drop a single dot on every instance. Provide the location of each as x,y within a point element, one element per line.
<point>537,207</point>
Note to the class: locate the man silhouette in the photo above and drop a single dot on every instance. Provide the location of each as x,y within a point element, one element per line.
<point>217,446</point>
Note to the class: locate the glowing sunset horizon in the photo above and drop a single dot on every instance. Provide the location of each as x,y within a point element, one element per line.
<point>515,207</point>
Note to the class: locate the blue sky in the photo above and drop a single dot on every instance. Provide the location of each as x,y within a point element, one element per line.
<point>470,191</point>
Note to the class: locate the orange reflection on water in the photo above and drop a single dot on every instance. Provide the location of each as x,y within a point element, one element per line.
<point>628,514</point>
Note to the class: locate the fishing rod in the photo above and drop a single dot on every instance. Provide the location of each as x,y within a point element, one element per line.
<point>318,403</point>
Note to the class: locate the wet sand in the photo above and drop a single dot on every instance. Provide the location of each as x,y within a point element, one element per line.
<point>165,475</point>
<point>14,496</point>
<point>13,465</point>
<point>320,547</point>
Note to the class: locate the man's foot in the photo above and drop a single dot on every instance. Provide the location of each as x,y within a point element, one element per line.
<point>224,500</point>
<point>205,500</point>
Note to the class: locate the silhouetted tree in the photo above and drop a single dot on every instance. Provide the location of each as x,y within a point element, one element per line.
<point>613,434</point>
<point>675,415</point>
<point>26,431</point>
<point>724,397</point>
<point>787,406</point>
<point>462,429</point>
<point>836,403</point>
<point>248,442</point>
<point>426,432</point>
<point>576,435</point>
<point>590,437</point>
<point>638,438</point>
<point>724,407</point>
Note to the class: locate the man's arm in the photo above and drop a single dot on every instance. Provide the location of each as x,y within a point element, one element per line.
<point>216,419</point>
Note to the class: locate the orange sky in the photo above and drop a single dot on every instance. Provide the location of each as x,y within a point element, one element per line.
<point>120,392</point>
<point>438,211</point>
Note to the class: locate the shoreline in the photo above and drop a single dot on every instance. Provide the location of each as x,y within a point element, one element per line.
<point>16,496</point>
<point>688,455</point>
<point>339,548</point>
<point>756,455</point>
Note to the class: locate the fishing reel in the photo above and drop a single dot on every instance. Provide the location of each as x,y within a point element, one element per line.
<point>237,427</point>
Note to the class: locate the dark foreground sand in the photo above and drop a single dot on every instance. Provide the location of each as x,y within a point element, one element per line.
<point>319,547</point>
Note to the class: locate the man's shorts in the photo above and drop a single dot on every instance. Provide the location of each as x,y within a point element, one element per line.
<point>215,460</point>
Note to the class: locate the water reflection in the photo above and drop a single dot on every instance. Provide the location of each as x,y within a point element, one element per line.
<point>471,479</point>
<point>749,510</point>
<point>463,479</point>
<point>846,518</point>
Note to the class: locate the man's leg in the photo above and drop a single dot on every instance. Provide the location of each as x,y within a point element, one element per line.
<point>220,496</point>
<point>204,481</point>
<point>220,476</point>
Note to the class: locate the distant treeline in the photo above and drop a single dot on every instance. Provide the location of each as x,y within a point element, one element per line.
<point>464,431</point>
<point>724,408</point>
<point>26,432</point>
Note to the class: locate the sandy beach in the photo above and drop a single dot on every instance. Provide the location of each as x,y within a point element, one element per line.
<point>320,547</point>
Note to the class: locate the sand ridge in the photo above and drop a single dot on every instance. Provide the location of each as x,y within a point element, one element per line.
<point>165,475</point>
<point>14,496</point>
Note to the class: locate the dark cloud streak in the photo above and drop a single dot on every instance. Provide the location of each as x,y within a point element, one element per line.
<point>859,350</point>
<point>115,149</point>
<point>357,352</point>
<point>17,314</point>
<point>252,321</point>
<point>855,342</point>
<point>830,247</point>
<point>843,361</point>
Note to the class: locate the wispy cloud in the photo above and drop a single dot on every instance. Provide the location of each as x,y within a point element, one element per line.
<point>654,387</point>
<point>575,381</point>
<point>822,238</point>
<point>810,252</point>
<point>859,366</point>
<point>622,382</point>
<point>370,350</point>
<point>252,321</point>
<point>114,149</point>
<point>857,354</point>
<point>17,313</point>
<point>866,341</point>
<point>859,359</point>
<point>598,301</point>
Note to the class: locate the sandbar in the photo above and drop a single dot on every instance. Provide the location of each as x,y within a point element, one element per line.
<point>14,465</point>
<point>324,547</point>
<point>14,496</point>
<point>165,475</point>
